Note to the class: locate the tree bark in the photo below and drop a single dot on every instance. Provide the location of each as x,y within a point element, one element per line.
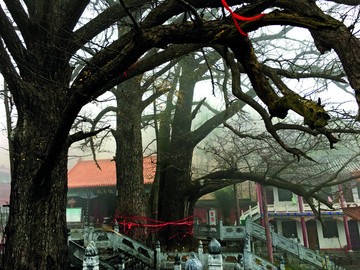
<point>36,231</point>
<point>130,200</point>
<point>177,192</point>
<point>176,200</point>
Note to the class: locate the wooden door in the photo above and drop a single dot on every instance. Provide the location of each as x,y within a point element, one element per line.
<point>312,233</point>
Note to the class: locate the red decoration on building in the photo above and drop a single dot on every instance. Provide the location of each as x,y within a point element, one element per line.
<point>238,17</point>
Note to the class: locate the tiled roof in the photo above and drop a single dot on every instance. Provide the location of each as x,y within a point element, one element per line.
<point>85,173</point>
<point>353,212</point>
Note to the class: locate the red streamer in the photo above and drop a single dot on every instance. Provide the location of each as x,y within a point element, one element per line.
<point>236,17</point>
<point>184,226</point>
<point>131,67</point>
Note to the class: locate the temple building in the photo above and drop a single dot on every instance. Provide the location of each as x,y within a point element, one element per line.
<point>92,189</point>
<point>290,216</point>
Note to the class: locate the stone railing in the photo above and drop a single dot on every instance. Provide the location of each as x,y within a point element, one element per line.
<point>221,232</point>
<point>290,207</point>
<point>214,260</point>
<point>253,212</point>
<point>238,233</point>
<point>156,259</point>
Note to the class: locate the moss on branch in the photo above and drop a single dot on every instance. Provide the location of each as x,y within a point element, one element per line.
<point>314,114</point>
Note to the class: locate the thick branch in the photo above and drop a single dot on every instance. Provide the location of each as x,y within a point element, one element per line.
<point>313,113</point>
<point>197,108</point>
<point>128,13</point>
<point>16,85</point>
<point>340,38</point>
<point>11,39</point>
<point>192,10</point>
<point>220,179</point>
<point>104,20</point>
<point>259,109</point>
<point>150,80</point>
<point>109,64</point>
<point>78,136</point>
<point>20,17</point>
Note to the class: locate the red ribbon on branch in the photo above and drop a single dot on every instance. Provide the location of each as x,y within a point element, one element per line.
<point>236,17</point>
<point>184,226</point>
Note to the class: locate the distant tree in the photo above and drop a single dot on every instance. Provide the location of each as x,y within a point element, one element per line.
<point>131,199</point>
<point>255,154</point>
<point>225,200</point>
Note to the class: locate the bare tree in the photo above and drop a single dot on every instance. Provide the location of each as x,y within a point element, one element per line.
<point>256,156</point>
<point>39,39</point>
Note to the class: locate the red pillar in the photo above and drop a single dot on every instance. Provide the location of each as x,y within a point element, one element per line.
<point>346,225</point>
<point>303,224</point>
<point>267,225</point>
<point>260,202</point>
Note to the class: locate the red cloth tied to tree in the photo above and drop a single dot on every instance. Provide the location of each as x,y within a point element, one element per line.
<point>236,17</point>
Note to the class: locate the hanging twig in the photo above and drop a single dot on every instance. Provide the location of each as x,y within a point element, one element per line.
<point>209,68</point>
<point>136,25</point>
<point>198,20</point>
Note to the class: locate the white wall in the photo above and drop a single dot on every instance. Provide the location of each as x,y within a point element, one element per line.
<point>356,195</point>
<point>284,206</point>
<point>334,242</point>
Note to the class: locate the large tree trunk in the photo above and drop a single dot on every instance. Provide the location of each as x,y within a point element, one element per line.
<point>131,199</point>
<point>177,202</point>
<point>176,195</point>
<point>36,232</point>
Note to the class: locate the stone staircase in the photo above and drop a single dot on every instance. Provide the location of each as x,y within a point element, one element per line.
<point>155,259</point>
<point>289,246</point>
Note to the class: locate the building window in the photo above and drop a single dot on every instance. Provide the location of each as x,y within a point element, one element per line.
<point>285,195</point>
<point>289,229</point>
<point>330,229</point>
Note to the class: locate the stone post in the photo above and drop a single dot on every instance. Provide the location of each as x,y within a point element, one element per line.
<point>221,232</point>
<point>193,263</point>
<point>86,234</point>
<point>115,238</point>
<point>91,259</point>
<point>327,261</point>
<point>116,226</point>
<point>177,264</point>
<point>158,255</point>
<point>214,258</point>
<point>121,265</point>
<point>282,263</point>
<point>201,252</point>
<point>247,252</point>
<point>92,232</point>
<point>197,227</point>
